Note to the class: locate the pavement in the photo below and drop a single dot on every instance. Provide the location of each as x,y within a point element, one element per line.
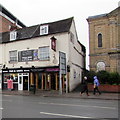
<point>53,93</point>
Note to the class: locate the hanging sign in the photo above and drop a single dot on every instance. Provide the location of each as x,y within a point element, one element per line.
<point>53,43</point>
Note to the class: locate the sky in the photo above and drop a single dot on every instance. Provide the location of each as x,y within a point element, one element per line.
<point>33,12</point>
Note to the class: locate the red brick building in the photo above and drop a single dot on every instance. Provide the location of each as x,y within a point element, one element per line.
<point>8,21</point>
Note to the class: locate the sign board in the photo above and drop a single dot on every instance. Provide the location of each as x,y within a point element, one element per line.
<point>62,62</point>
<point>27,55</point>
<point>15,70</point>
<point>62,67</point>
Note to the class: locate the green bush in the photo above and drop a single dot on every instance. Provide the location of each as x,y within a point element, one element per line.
<point>114,78</point>
<point>104,77</point>
<point>90,76</point>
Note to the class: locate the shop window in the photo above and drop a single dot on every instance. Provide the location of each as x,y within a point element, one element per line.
<point>43,53</point>
<point>99,40</point>
<point>13,56</point>
<point>13,77</point>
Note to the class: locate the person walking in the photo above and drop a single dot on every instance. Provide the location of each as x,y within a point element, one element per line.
<point>96,85</point>
<point>85,86</point>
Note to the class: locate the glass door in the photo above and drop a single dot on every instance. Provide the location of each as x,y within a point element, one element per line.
<point>20,82</point>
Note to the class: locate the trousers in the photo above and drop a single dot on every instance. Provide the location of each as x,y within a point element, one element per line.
<point>96,89</point>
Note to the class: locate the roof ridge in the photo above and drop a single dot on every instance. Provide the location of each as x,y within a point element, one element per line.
<point>71,18</point>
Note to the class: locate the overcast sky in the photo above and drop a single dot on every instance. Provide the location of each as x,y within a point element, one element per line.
<point>33,12</point>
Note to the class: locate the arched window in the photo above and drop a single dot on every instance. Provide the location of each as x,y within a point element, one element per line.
<point>100,66</point>
<point>99,40</point>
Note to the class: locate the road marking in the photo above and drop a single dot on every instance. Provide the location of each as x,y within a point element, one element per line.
<point>64,115</point>
<point>1,108</point>
<point>77,105</point>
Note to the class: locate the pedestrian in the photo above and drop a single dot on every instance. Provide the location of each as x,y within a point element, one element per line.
<point>96,85</point>
<point>85,86</point>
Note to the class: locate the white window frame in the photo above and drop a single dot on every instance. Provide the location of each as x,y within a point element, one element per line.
<point>43,54</point>
<point>44,30</point>
<point>13,35</point>
<point>13,56</point>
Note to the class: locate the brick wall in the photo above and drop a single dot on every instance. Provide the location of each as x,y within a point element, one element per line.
<point>4,24</point>
<point>106,88</point>
<point>109,30</point>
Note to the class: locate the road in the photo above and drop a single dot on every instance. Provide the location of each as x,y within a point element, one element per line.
<point>55,107</point>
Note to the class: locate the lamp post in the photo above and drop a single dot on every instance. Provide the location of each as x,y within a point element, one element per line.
<point>34,78</point>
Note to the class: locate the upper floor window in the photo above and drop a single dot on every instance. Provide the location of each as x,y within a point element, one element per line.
<point>13,35</point>
<point>43,29</point>
<point>13,56</point>
<point>43,53</point>
<point>71,37</point>
<point>99,40</point>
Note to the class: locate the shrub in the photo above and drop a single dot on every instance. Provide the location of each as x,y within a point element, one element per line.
<point>103,76</point>
<point>114,78</point>
<point>90,76</point>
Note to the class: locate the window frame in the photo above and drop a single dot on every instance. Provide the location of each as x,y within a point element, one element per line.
<point>100,40</point>
<point>15,58</point>
<point>13,35</point>
<point>44,29</point>
<point>44,55</point>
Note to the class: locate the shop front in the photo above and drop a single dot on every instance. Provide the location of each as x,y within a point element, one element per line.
<point>44,78</point>
<point>19,79</point>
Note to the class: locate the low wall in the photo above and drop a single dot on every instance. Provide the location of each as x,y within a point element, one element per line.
<point>106,88</point>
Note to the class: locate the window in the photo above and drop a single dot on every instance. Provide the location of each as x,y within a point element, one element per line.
<point>13,35</point>
<point>43,29</point>
<point>13,56</point>
<point>71,37</point>
<point>100,66</point>
<point>43,53</point>
<point>99,40</point>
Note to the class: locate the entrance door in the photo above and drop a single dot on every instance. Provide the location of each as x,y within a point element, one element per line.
<point>23,81</point>
<point>53,82</point>
<point>20,82</point>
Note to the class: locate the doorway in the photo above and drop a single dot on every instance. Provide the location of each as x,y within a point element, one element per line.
<point>53,82</point>
<point>23,81</point>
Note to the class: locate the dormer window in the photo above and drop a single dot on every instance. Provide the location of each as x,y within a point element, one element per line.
<point>43,29</point>
<point>13,35</point>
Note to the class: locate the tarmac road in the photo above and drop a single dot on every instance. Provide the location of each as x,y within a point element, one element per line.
<point>15,106</point>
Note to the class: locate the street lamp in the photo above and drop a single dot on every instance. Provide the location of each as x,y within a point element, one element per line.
<point>34,78</point>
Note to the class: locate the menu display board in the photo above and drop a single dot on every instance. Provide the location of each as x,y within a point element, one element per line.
<point>27,55</point>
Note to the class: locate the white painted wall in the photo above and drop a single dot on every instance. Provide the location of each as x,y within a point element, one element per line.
<point>74,59</point>
<point>35,43</point>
